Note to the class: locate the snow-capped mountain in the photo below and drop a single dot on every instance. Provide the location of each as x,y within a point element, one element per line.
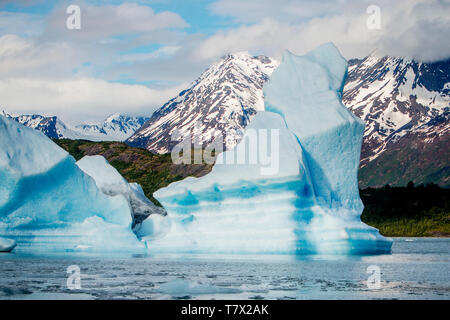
<point>406,107</point>
<point>223,99</point>
<point>396,97</point>
<point>116,127</point>
<point>52,127</point>
<point>403,102</point>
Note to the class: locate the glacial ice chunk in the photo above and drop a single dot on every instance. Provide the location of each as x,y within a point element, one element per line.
<point>111,182</point>
<point>6,245</point>
<point>180,287</point>
<point>153,227</point>
<point>310,204</point>
<point>48,203</point>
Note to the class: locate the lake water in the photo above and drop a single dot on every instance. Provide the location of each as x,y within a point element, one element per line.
<point>418,268</point>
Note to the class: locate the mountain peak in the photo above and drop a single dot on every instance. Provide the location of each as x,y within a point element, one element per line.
<point>237,55</point>
<point>223,99</point>
<point>5,114</point>
<point>113,116</point>
<point>402,101</point>
<point>395,96</point>
<point>116,127</point>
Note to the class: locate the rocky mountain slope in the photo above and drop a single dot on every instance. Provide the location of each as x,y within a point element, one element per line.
<point>406,107</point>
<point>222,100</point>
<point>404,103</point>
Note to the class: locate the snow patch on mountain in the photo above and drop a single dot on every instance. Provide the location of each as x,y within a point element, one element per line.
<point>396,96</point>
<point>116,127</point>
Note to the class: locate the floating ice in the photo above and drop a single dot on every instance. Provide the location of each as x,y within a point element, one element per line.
<point>311,204</point>
<point>180,287</point>
<point>6,245</point>
<point>48,203</point>
<point>111,182</point>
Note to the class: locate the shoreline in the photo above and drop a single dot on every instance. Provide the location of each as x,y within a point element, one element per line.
<point>421,237</point>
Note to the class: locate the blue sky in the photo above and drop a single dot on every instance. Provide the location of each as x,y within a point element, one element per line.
<point>196,12</point>
<point>132,56</point>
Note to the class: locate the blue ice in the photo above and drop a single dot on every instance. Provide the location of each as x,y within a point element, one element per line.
<point>311,204</point>
<point>48,203</point>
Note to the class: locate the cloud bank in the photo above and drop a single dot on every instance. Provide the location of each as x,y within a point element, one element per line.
<point>413,28</point>
<point>130,57</point>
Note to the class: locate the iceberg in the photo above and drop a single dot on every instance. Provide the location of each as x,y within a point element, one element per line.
<point>48,203</point>
<point>310,204</point>
<point>7,245</point>
<point>180,287</point>
<point>111,183</point>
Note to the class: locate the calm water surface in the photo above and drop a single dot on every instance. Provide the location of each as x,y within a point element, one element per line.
<point>418,268</point>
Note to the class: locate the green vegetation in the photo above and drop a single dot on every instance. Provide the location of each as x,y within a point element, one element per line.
<point>395,211</point>
<point>408,211</point>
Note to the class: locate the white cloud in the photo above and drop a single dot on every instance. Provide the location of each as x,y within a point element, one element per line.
<point>48,69</point>
<point>413,28</point>
<point>25,57</point>
<point>80,98</point>
<point>65,73</point>
<point>271,37</point>
<point>419,30</point>
<point>253,11</point>
<point>99,22</point>
<point>20,23</point>
<point>158,53</point>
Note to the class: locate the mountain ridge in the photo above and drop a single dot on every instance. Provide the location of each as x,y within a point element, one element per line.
<point>222,100</point>
<point>405,104</point>
<point>116,127</point>
<point>395,96</point>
